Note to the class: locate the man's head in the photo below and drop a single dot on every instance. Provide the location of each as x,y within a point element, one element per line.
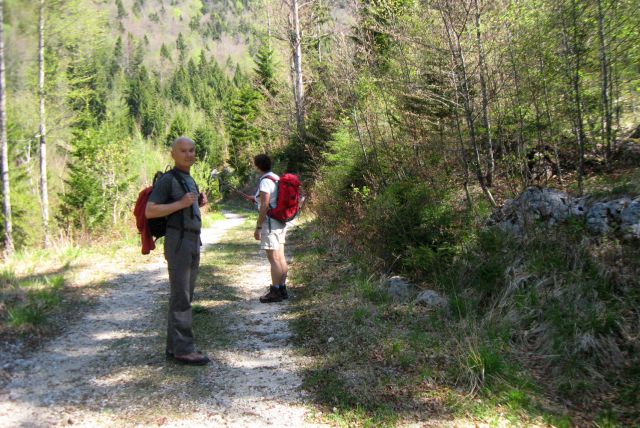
<point>183,152</point>
<point>262,162</point>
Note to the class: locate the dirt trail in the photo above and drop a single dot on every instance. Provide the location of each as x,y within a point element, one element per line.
<point>107,368</point>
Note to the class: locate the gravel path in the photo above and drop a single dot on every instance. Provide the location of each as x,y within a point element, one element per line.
<point>105,370</point>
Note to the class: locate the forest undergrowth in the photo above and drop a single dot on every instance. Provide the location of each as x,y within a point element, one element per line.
<point>538,331</point>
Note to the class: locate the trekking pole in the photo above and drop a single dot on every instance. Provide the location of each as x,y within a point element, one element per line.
<point>216,175</point>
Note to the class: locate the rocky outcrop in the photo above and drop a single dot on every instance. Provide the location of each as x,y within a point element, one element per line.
<point>536,205</point>
<point>628,152</point>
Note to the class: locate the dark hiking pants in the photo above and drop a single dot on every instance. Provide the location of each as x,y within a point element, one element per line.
<point>183,259</point>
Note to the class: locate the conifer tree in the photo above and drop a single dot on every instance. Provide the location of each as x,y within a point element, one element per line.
<point>164,52</point>
<point>266,68</point>
<point>181,45</point>
<point>243,132</point>
<point>122,12</point>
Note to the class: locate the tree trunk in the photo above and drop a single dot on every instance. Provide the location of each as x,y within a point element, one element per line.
<point>550,125</point>
<point>485,97</point>
<point>6,188</point>
<point>298,83</point>
<point>573,51</point>
<point>44,192</point>
<point>606,96</point>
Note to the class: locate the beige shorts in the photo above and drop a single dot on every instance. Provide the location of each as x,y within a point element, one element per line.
<point>275,239</point>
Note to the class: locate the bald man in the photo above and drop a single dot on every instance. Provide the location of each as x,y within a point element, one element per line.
<point>175,196</point>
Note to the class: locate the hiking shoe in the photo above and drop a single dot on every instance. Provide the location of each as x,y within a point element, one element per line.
<point>194,359</point>
<point>274,295</point>
<point>283,292</point>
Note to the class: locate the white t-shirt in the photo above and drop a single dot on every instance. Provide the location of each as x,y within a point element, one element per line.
<point>270,187</point>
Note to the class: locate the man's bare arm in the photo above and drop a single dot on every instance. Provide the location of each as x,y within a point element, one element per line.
<point>265,199</point>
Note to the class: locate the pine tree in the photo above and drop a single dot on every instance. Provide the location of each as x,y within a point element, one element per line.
<point>116,59</point>
<point>266,68</point>
<point>122,12</point>
<point>244,134</point>
<point>180,86</point>
<point>181,45</point>
<point>164,52</point>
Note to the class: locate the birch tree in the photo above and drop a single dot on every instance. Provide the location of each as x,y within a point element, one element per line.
<point>295,40</point>
<point>6,188</point>
<point>44,192</point>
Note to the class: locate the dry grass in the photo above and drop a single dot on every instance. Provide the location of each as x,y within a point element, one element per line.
<point>538,332</point>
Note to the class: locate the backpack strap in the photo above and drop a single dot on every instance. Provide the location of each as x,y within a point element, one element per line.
<point>268,210</point>
<point>174,172</point>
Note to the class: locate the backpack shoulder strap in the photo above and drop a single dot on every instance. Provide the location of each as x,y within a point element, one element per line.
<point>180,179</point>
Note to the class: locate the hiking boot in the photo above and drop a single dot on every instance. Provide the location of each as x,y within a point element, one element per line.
<point>274,295</point>
<point>283,292</point>
<point>194,359</point>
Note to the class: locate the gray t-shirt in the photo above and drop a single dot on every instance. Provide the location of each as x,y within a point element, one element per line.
<point>167,190</point>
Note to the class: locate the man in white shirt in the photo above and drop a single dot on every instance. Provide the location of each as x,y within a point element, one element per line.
<point>270,232</point>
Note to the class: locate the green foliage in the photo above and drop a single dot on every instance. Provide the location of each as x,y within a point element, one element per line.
<point>121,11</point>
<point>265,70</point>
<point>244,134</point>
<point>98,181</point>
<point>145,104</point>
<point>181,45</point>
<point>180,126</point>
<point>180,87</point>
<point>164,52</point>
<point>41,296</point>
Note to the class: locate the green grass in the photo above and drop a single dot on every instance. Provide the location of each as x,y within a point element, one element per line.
<point>29,302</point>
<point>211,218</point>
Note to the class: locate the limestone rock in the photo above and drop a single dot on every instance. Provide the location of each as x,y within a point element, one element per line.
<point>551,206</point>
<point>628,151</point>
<point>534,204</point>
<point>398,288</point>
<point>431,299</point>
<point>630,220</point>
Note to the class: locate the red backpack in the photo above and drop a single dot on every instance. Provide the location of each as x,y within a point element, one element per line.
<point>152,229</point>
<point>288,204</point>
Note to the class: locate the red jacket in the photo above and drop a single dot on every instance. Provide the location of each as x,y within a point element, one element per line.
<point>148,243</point>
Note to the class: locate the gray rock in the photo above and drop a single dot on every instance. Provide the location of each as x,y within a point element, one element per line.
<point>534,204</point>
<point>629,151</point>
<point>597,218</point>
<point>630,220</point>
<point>398,288</point>
<point>620,215</point>
<point>431,299</point>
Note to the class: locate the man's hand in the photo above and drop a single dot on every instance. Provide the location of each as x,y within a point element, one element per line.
<point>202,199</point>
<point>256,233</point>
<point>188,199</point>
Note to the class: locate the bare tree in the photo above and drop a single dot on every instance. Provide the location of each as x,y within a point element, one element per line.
<point>573,44</point>
<point>446,9</point>
<point>295,40</point>
<point>605,86</point>
<point>482,62</point>
<point>6,188</point>
<point>44,193</point>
